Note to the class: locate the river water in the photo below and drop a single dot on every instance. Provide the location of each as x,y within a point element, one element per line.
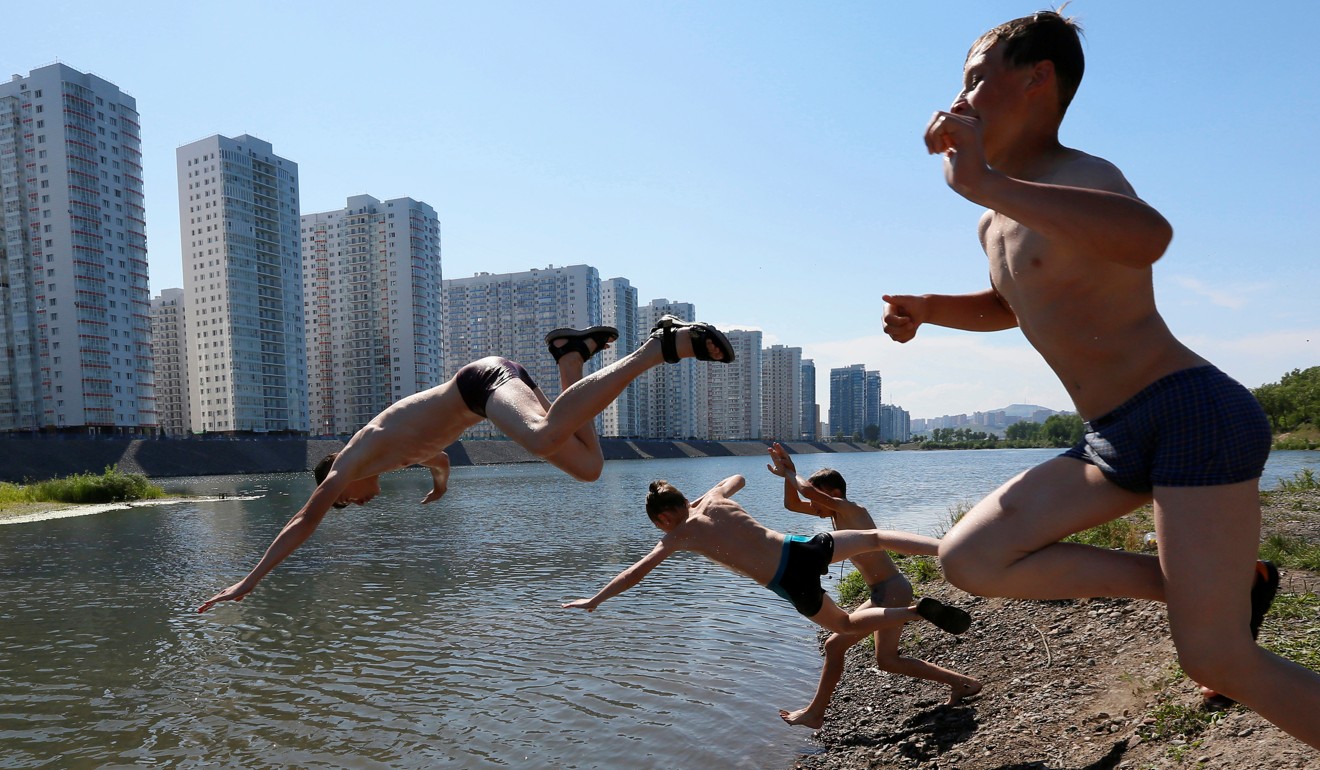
<point>403,636</point>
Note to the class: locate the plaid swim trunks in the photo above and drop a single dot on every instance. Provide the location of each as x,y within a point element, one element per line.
<point>1194,428</point>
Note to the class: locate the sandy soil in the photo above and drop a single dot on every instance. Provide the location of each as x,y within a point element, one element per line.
<point>1076,685</point>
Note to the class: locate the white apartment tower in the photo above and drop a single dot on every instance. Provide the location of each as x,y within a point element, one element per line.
<point>74,299</point>
<point>672,397</point>
<point>508,315</point>
<point>781,393</point>
<point>371,304</point>
<point>242,281</point>
<point>733,394</point>
<point>169,347</point>
<point>618,308</point>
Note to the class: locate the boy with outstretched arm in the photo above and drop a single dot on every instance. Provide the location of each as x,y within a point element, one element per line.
<point>825,495</point>
<point>1070,249</point>
<point>415,430</point>
<point>718,528</point>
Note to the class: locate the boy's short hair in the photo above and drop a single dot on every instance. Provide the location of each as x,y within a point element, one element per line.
<point>322,468</point>
<point>663,497</point>
<point>1042,36</point>
<point>828,478</point>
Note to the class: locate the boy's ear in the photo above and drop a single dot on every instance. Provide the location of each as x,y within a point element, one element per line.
<point>1042,74</point>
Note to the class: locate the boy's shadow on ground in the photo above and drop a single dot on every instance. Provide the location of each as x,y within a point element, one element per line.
<point>929,734</point>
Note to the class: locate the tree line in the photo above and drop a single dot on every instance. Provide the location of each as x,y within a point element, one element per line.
<point>1292,405</point>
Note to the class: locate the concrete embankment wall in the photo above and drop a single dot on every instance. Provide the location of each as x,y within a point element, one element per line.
<point>36,459</point>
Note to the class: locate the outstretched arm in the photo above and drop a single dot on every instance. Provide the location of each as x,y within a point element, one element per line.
<point>626,579</point>
<point>781,465</point>
<point>983,311</point>
<point>439,468</point>
<point>299,528</point>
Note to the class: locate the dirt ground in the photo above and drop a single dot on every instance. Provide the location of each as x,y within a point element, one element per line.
<point>1069,685</point>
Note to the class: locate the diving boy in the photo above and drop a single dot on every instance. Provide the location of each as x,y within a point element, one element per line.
<point>416,429</point>
<point>718,528</point>
<point>1070,249</point>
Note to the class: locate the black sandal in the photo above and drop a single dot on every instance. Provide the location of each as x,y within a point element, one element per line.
<point>667,328</point>
<point>946,616</point>
<point>575,341</point>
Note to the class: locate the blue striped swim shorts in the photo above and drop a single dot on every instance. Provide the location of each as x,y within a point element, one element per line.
<point>1194,428</point>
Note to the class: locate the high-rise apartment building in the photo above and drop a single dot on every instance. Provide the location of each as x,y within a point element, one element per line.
<point>781,393</point>
<point>509,314</point>
<point>372,308</point>
<point>733,391</point>
<point>810,409</point>
<point>74,298</point>
<point>895,423</point>
<point>847,401</point>
<point>871,419</point>
<point>242,280</point>
<point>672,397</point>
<point>618,308</point>
<point>169,347</point>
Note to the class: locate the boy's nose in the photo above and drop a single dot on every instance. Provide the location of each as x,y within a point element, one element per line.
<point>959,106</point>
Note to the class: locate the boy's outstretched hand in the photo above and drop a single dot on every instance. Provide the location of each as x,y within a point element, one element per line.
<point>234,593</point>
<point>780,464</point>
<point>580,604</point>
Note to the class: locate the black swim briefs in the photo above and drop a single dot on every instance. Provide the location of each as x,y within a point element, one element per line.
<point>479,379</point>
<point>803,562</point>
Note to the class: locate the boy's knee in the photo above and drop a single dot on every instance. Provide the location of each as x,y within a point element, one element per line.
<point>967,566</point>
<point>838,644</point>
<point>1216,662</point>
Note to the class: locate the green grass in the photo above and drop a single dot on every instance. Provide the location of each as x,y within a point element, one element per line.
<point>111,486</point>
<point>1291,552</point>
<point>1292,629</point>
<point>853,589</point>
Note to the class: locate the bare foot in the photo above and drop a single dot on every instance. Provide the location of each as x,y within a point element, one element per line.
<point>803,717</point>
<point>965,690</point>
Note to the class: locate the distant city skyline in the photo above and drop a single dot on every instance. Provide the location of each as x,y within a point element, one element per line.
<point>762,163</point>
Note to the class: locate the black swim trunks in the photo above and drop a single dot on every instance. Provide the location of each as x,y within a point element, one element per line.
<point>798,579</point>
<point>1194,428</point>
<point>479,379</point>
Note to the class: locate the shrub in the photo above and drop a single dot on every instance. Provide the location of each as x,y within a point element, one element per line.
<point>111,486</point>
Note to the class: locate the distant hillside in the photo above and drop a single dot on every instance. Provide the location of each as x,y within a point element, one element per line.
<point>1025,410</point>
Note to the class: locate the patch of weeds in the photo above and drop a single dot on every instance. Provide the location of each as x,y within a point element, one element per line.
<point>1304,480</point>
<point>919,569</point>
<point>1291,552</point>
<point>1173,720</point>
<point>1127,533</point>
<point>952,517</point>
<point>853,589</point>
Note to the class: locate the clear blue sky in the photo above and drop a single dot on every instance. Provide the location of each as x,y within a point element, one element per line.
<point>759,159</point>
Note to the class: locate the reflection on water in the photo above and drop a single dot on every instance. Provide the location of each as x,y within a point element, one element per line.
<point>404,635</point>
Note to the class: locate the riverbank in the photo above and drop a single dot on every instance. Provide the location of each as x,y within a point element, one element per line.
<point>40,458</point>
<point>1089,684</point>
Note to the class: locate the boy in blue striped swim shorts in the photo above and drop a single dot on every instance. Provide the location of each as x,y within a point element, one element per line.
<point>1070,249</point>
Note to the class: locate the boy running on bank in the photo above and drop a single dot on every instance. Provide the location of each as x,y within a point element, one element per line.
<point>1070,249</point>
<point>826,496</point>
